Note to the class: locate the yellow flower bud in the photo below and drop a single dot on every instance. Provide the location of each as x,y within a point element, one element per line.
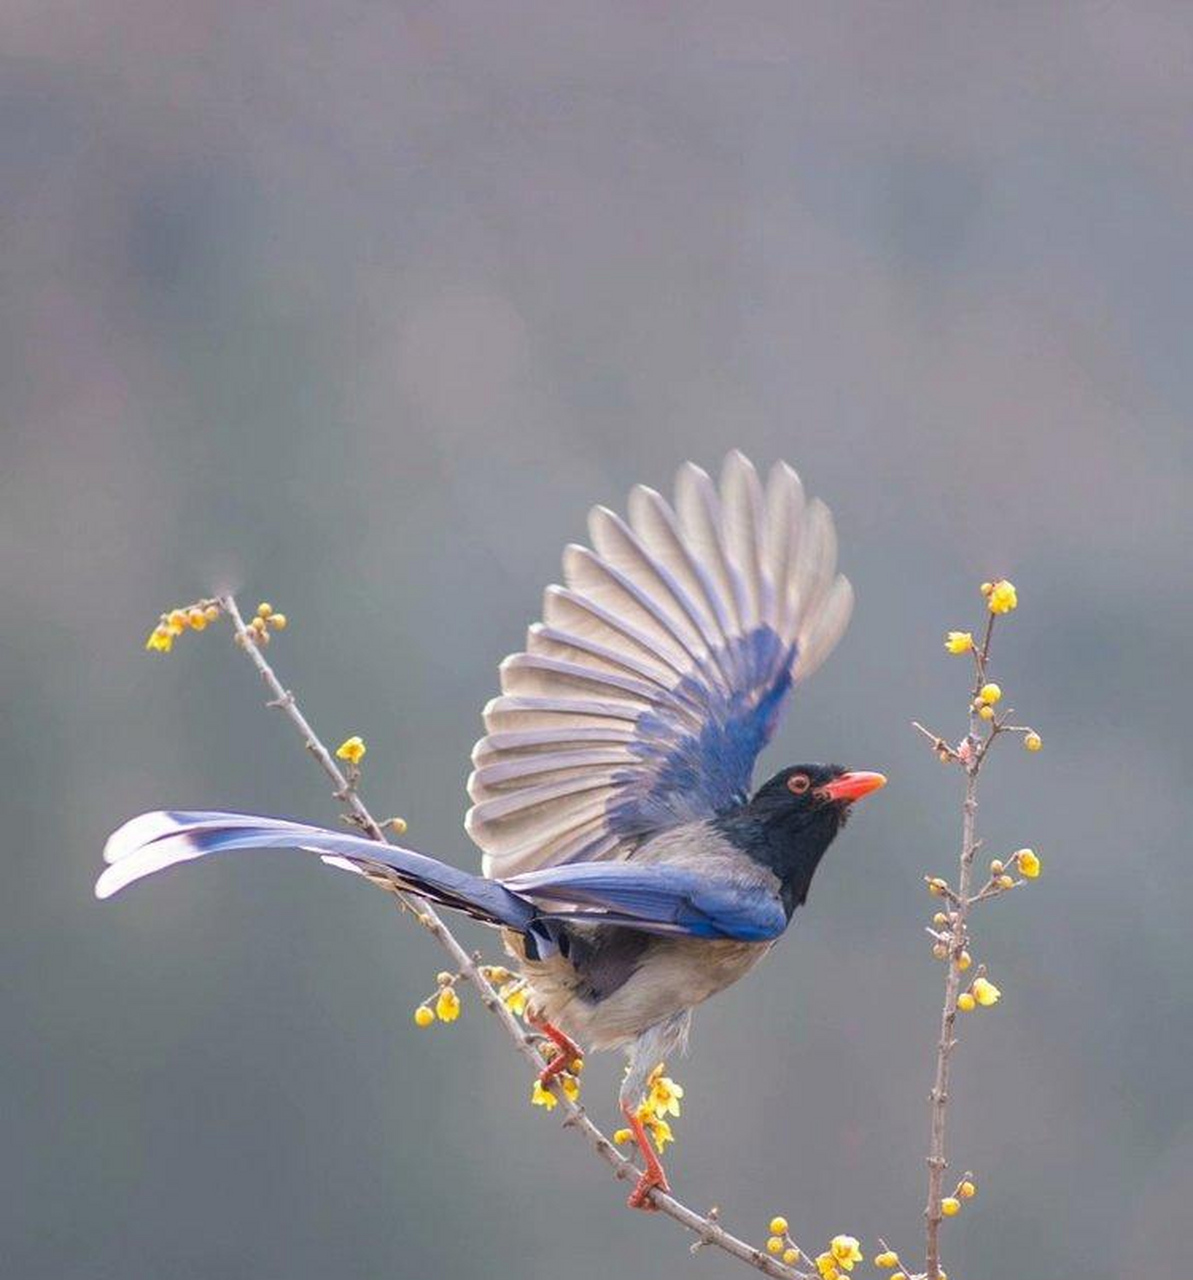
<point>949,1206</point>
<point>990,693</point>
<point>197,619</point>
<point>212,612</point>
<point>778,1226</point>
<point>886,1260</point>
<point>958,641</point>
<point>967,1190</point>
<point>443,978</point>
<point>264,609</point>
<point>622,1136</point>
<point>1029,864</point>
<point>940,918</point>
<point>351,749</point>
<point>1006,882</point>
<point>996,866</point>
<point>964,960</point>
<point>1002,597</point>
<point>966,1002</point>
<point>397,826</point>
<point>424,1015</point>
<point>940,951</point>
<point>937,886</point>
<point>278,621</point>
<point>791,1256</point>
<point>986,588</point>
<point>898,1275</point>
<point>775,1244</point>
<point>1032,741</point>
<point>985,992</point>
<point>179,618</point>
<point>987,713</point>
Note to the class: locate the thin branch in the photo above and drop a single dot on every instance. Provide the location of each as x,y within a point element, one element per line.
<point>961,901</point>
<point>707,1230</point>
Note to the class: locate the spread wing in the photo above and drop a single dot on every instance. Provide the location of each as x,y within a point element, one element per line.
<point>659,670</point>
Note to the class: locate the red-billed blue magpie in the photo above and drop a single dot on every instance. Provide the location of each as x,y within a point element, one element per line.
<point>630,870</point>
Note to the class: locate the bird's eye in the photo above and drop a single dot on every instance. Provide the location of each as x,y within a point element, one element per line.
<point>798,783</point>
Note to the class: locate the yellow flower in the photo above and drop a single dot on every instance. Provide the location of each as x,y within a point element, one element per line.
<point>1002,597</point>
<point>622,1136</point>
<point>179,619</point>
<point>778,1226</point>
<point>959,641</point>
<point>774,1244</point>
<point>985,992</point>
<point>826,1264</point>
<point>660,1130</point>
<point>990,693</point>
<point>352,749</point>
<point>950,1205</point>
<point>791,1256</point>
<point>571,1086</point>
<point>160,640</point>
<point>966,1002</point>
<point>514,996</point>
<point>1032,741</point>
<point>845,1251</point>
<point>663,1094</point>
<point>424,1015</point>
<point>1029,864</point>
<point>447,1007</point>
<point>888,1259</point>
<point>197,619</point>
<point>967,1190</point>
<point>540,1097</point>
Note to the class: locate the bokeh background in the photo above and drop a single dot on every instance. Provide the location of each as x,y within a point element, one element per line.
<point>358,307</point>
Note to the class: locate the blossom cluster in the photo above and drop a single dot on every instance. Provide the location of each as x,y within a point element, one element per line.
<point>660,1101</point>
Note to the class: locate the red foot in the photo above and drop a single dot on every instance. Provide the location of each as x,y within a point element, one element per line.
<point>569,1050</point>
<point>655,1176</point>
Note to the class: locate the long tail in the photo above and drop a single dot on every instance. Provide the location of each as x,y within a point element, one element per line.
<point>158,840</point>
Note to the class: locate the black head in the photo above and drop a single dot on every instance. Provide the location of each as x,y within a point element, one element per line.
<point>791,820</point>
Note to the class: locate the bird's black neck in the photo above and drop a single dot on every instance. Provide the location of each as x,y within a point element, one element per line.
<point>790,845</point>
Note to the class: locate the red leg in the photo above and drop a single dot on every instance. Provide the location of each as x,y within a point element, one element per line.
<point>655,1176</point>
<point>569,1050</point>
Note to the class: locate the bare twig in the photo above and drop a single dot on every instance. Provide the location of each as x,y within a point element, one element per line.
<point>706,1228</point>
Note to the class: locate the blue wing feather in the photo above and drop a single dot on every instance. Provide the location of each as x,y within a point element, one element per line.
<point>643,896</point>
<point>678,641</point>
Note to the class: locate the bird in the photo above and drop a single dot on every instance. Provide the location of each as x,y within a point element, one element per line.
<point>630,868</point>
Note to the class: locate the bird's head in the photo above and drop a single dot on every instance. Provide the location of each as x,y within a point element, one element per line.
<point>792,819</point>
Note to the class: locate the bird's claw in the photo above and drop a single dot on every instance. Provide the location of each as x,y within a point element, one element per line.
<point>640,1197</point>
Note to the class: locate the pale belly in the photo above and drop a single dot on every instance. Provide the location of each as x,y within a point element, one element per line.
<point>674,975</point>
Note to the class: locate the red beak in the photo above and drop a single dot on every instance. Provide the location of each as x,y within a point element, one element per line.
<point>849,787</point>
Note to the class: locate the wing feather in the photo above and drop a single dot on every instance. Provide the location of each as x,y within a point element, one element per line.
<point>659,671</point>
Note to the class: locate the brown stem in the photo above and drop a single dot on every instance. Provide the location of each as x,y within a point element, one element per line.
<point>937,1160</point>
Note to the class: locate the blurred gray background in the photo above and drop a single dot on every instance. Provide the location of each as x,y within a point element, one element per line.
<point>358,307</point>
